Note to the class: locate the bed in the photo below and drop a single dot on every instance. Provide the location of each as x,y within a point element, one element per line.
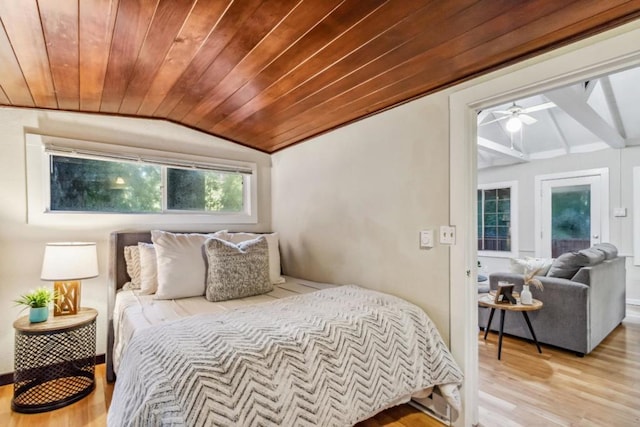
<point>304,353</point>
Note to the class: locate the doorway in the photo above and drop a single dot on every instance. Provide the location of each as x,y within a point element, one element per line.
<point>600,54</point>
<point>571,211</point>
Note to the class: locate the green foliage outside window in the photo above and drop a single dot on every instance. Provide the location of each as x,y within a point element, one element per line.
<point>79,184</point>
<point>204,190</point>
<point>104,186</point>
<point>571,214</point>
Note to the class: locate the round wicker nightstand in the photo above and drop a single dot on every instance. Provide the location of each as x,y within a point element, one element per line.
<point>54,361</point>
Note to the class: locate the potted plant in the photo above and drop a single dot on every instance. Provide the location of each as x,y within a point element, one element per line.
<point>38,301</point>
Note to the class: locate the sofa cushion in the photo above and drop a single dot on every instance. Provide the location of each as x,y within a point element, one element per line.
<point>609,250</point>
<point>594,256</point>
<point>568,264</point>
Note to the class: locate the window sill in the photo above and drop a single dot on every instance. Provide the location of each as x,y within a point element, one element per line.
<point>497,254</point>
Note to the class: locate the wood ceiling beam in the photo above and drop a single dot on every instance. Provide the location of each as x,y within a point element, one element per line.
<point>493,147</point>
<point>571,100</point>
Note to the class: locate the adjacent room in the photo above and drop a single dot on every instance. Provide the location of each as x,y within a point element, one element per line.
<point>557,183</point>
<point>225,212</point>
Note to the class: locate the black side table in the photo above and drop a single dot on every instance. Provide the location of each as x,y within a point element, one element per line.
<point>54,361</point>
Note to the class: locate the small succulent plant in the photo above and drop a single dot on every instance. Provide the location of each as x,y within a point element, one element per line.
<point>41,297</point>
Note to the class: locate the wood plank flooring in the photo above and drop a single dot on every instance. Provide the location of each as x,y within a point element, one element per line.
<point>555,388</point>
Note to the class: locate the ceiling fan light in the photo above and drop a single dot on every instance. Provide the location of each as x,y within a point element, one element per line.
<point>514,124</point>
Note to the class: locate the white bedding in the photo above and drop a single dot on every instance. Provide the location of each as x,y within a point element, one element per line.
<point>327,358</point>
<point>133,312</point>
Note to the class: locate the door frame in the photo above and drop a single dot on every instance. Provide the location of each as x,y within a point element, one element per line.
<point>603,173</point>
<point>598,55</point>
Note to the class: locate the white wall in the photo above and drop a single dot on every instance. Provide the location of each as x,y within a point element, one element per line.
<point>349,204</point>
<point>22,245</point>
<point>620,164</point>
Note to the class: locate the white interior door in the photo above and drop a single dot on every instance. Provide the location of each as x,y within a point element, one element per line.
<point>571,214</point>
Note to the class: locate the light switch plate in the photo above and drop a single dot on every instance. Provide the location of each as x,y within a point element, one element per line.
<point>447,235</point>
<point>426,239</point>
<point>620,212</point>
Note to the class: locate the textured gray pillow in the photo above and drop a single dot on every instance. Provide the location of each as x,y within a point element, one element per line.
<point>237,271</point>
<point>593,255</point>
<point>610,251</point>
<point>568,264</point>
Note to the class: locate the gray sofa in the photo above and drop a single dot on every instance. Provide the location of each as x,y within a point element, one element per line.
<point>578,313</point>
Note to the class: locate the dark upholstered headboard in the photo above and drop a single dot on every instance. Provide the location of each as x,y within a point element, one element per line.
<point>118,269</point>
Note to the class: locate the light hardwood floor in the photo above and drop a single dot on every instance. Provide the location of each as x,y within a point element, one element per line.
<point>555,388</point>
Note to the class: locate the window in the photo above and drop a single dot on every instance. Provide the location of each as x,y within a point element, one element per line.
<point>81,184</point>
<point>572,211</point>
<point>497,231</point>
<point>210,191</point>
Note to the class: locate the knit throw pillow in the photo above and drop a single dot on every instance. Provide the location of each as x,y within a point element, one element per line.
<point>132,260</point>
<point>237,271</point>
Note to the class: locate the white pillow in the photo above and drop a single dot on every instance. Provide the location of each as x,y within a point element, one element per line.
<point>148,269</point>
<point>274,251</point>
<point>182,267</point>
<point>528,264</point>
<point>517,265</point>
<point>542,264</point>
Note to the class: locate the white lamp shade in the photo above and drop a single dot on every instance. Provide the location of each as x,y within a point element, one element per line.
<point>69,261</point>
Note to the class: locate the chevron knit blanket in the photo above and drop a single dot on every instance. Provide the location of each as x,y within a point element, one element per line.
<point>329,358</point>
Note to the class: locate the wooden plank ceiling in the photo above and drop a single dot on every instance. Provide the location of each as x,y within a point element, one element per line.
<point>270,73</point>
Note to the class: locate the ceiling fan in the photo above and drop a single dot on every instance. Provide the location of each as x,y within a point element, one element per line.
<point>517,115</point>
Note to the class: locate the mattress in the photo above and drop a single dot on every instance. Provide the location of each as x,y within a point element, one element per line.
<point>134,312</point>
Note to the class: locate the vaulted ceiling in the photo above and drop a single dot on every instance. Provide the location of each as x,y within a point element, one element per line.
<point>270,73</point>
<point>587,116</point>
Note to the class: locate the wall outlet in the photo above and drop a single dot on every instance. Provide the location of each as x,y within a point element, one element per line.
<point>426,239</point>
<point>447,235</point>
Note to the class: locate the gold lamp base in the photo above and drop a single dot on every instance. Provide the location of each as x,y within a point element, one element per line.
<point>67,299</point>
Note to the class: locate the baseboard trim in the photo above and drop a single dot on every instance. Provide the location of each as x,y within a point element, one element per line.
<point>7,378</point>
<point>633,301</point>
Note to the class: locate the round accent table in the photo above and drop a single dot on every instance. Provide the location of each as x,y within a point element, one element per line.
<point>487,300</point>
<point>54,361</point>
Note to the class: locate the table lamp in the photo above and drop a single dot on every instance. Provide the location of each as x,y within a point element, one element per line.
<point>66,264</point>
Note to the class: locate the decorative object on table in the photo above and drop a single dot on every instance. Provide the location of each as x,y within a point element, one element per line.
<point>66,264</point>
<point>38,302</point>
<point>504,294</point>
<point>526,298</point>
